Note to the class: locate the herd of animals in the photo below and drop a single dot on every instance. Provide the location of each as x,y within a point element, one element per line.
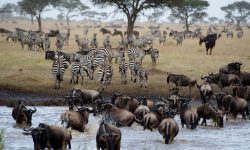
<point>123,110</point>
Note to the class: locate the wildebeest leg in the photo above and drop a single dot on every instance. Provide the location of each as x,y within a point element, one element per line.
<point>182,122</point>
<point>210,51</point>
<point>243,115</point>
<point>207,50</point>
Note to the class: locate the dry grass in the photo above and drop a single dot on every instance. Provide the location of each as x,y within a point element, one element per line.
<point>28,71</point>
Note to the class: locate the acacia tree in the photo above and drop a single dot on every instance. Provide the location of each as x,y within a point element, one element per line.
<point>212,19</point>
<point>35,8</point>
<point>71,8</point>
<point>8,8</point>
<point>238,11</point>
<point>133,8</point>
<point>189,11</point>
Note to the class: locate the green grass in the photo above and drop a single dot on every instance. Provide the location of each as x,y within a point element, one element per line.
<point>28,71</point>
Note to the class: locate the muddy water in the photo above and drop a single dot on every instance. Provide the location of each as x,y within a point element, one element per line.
<point>235,134</point>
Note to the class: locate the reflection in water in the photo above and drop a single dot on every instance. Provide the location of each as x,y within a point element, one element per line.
<point>235,134</point>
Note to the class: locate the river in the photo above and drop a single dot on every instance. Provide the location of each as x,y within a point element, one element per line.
<point>235,134</point>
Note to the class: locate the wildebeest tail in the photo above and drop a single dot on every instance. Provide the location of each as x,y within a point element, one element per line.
<point>167,133</point>
<point>145,122</point>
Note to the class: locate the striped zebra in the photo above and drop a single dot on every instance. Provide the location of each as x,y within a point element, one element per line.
<point>154,53</point>
<point>82,43</point>
<point>46,42</point>
<point>123,67</point>
<point>162,40</point>
<point>94,42</point>
<point>143,76</point>
<point>59,42</point>
<point>230,34</point>
<point>179,39</point>
<point>137,53</point>
<point>106,42</point>
<point>105,74</point>
<point>77,70</point>
<point>240,34</point>
<point>134,67</point>
<point>58,69</point>
<point>28,39</point>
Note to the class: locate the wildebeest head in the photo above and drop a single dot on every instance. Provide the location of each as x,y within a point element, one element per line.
<point>29,113</point>
<point>71,102</point>
<point>239,91</point>
<point>219,97</point>
<point>49,55</point>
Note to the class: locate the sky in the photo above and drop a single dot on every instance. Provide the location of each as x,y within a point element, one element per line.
<point>213,10</point>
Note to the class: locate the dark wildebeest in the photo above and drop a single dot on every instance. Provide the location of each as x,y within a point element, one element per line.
<point>169,129</point>
<point>154,118</point>
<point>209,41</point>
<point>207,111</point>
<point>135,33</point>
<point>117,32</point>
<point>22,115</point>
<point>53,33</point>
<point>181,80</point>
<point>240,91</point>
<point>245,78</point>
<point>108,137</point>
<point>49,136</point>
<point>125,102</point>
<point>231,68</point>
<point>223,80</point>
<point>188,116</point>
<point>50,55</point>
<point>121,117</point>
<point>233,105</point>
<point>105,31</point>
<point>205,88</point>
<point>140,112</point>
<point>76,119</point>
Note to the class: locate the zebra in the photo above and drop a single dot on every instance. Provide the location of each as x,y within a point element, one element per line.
<point>77,70</point>
<point>162,40</point>
<point>28,39</point>
<point>12,36</point>
<point>106,42</point>
<point>179,39</point>
<point>65,37</point>
<point>38,41</point>
<point>59,42</point>
<point>123,67</point>
<point>137,53</point>
<point>143,76</point>
<point>134,67</point>
<point>46,42</point>
<point>105,74</point>
<point>82,43</point>
<point>230,34</point>
<point>58,69</point>
<point>240,34</point>
<point>154,53</point>
<point>94,42</point>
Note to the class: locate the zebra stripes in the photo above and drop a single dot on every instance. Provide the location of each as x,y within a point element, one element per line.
<point>143,76</point>
<point>58,69</point>
<point>134,66</point>
<point>123,67</point>
<point>77,70</point>
<point>105,74</point>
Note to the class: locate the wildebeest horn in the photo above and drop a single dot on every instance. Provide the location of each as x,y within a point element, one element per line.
<point>33,111</point>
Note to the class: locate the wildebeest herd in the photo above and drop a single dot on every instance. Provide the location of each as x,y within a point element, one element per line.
<point>121,109</point>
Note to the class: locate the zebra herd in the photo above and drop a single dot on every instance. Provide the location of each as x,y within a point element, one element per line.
<point>88,59</point>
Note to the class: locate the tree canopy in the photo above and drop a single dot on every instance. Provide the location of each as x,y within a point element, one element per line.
<point>238,11</point>
<point>8,8</point>
<point>190,11</point>
<point>71,8</point>
<point>133,8</point>
<point>35,8</point>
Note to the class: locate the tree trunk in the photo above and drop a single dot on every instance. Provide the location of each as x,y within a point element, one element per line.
<point>39,22</point>
<point>67,19</point>
<point>131,22</point>
<point>187,24</point>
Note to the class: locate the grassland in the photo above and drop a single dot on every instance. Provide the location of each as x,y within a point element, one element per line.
<point>28,71</point>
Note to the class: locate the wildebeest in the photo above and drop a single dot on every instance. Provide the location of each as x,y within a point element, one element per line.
<point>239,91</point>
<point>124,101</point>
<point>105,31</point>
<point>207,111</point>
<point>50,136</point>
<point>53,33</point>
<point>76,119</point>
<point>120,117</point>
<point>231,68</point>
<point>209,41</point>
<point>152,119</point>
<point>108,137</point>
<point>181,80</point>
<point>22,114</point>
<point>135,33</point>
<point>223,80</point>
<point>233,105</point>
<point>169,129</point>
<point>205,88</point>
<point>117,32</point>
<point>244,78</point>
<point>140,112</point>
<point>50,55</point>
<point>188,116</point>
